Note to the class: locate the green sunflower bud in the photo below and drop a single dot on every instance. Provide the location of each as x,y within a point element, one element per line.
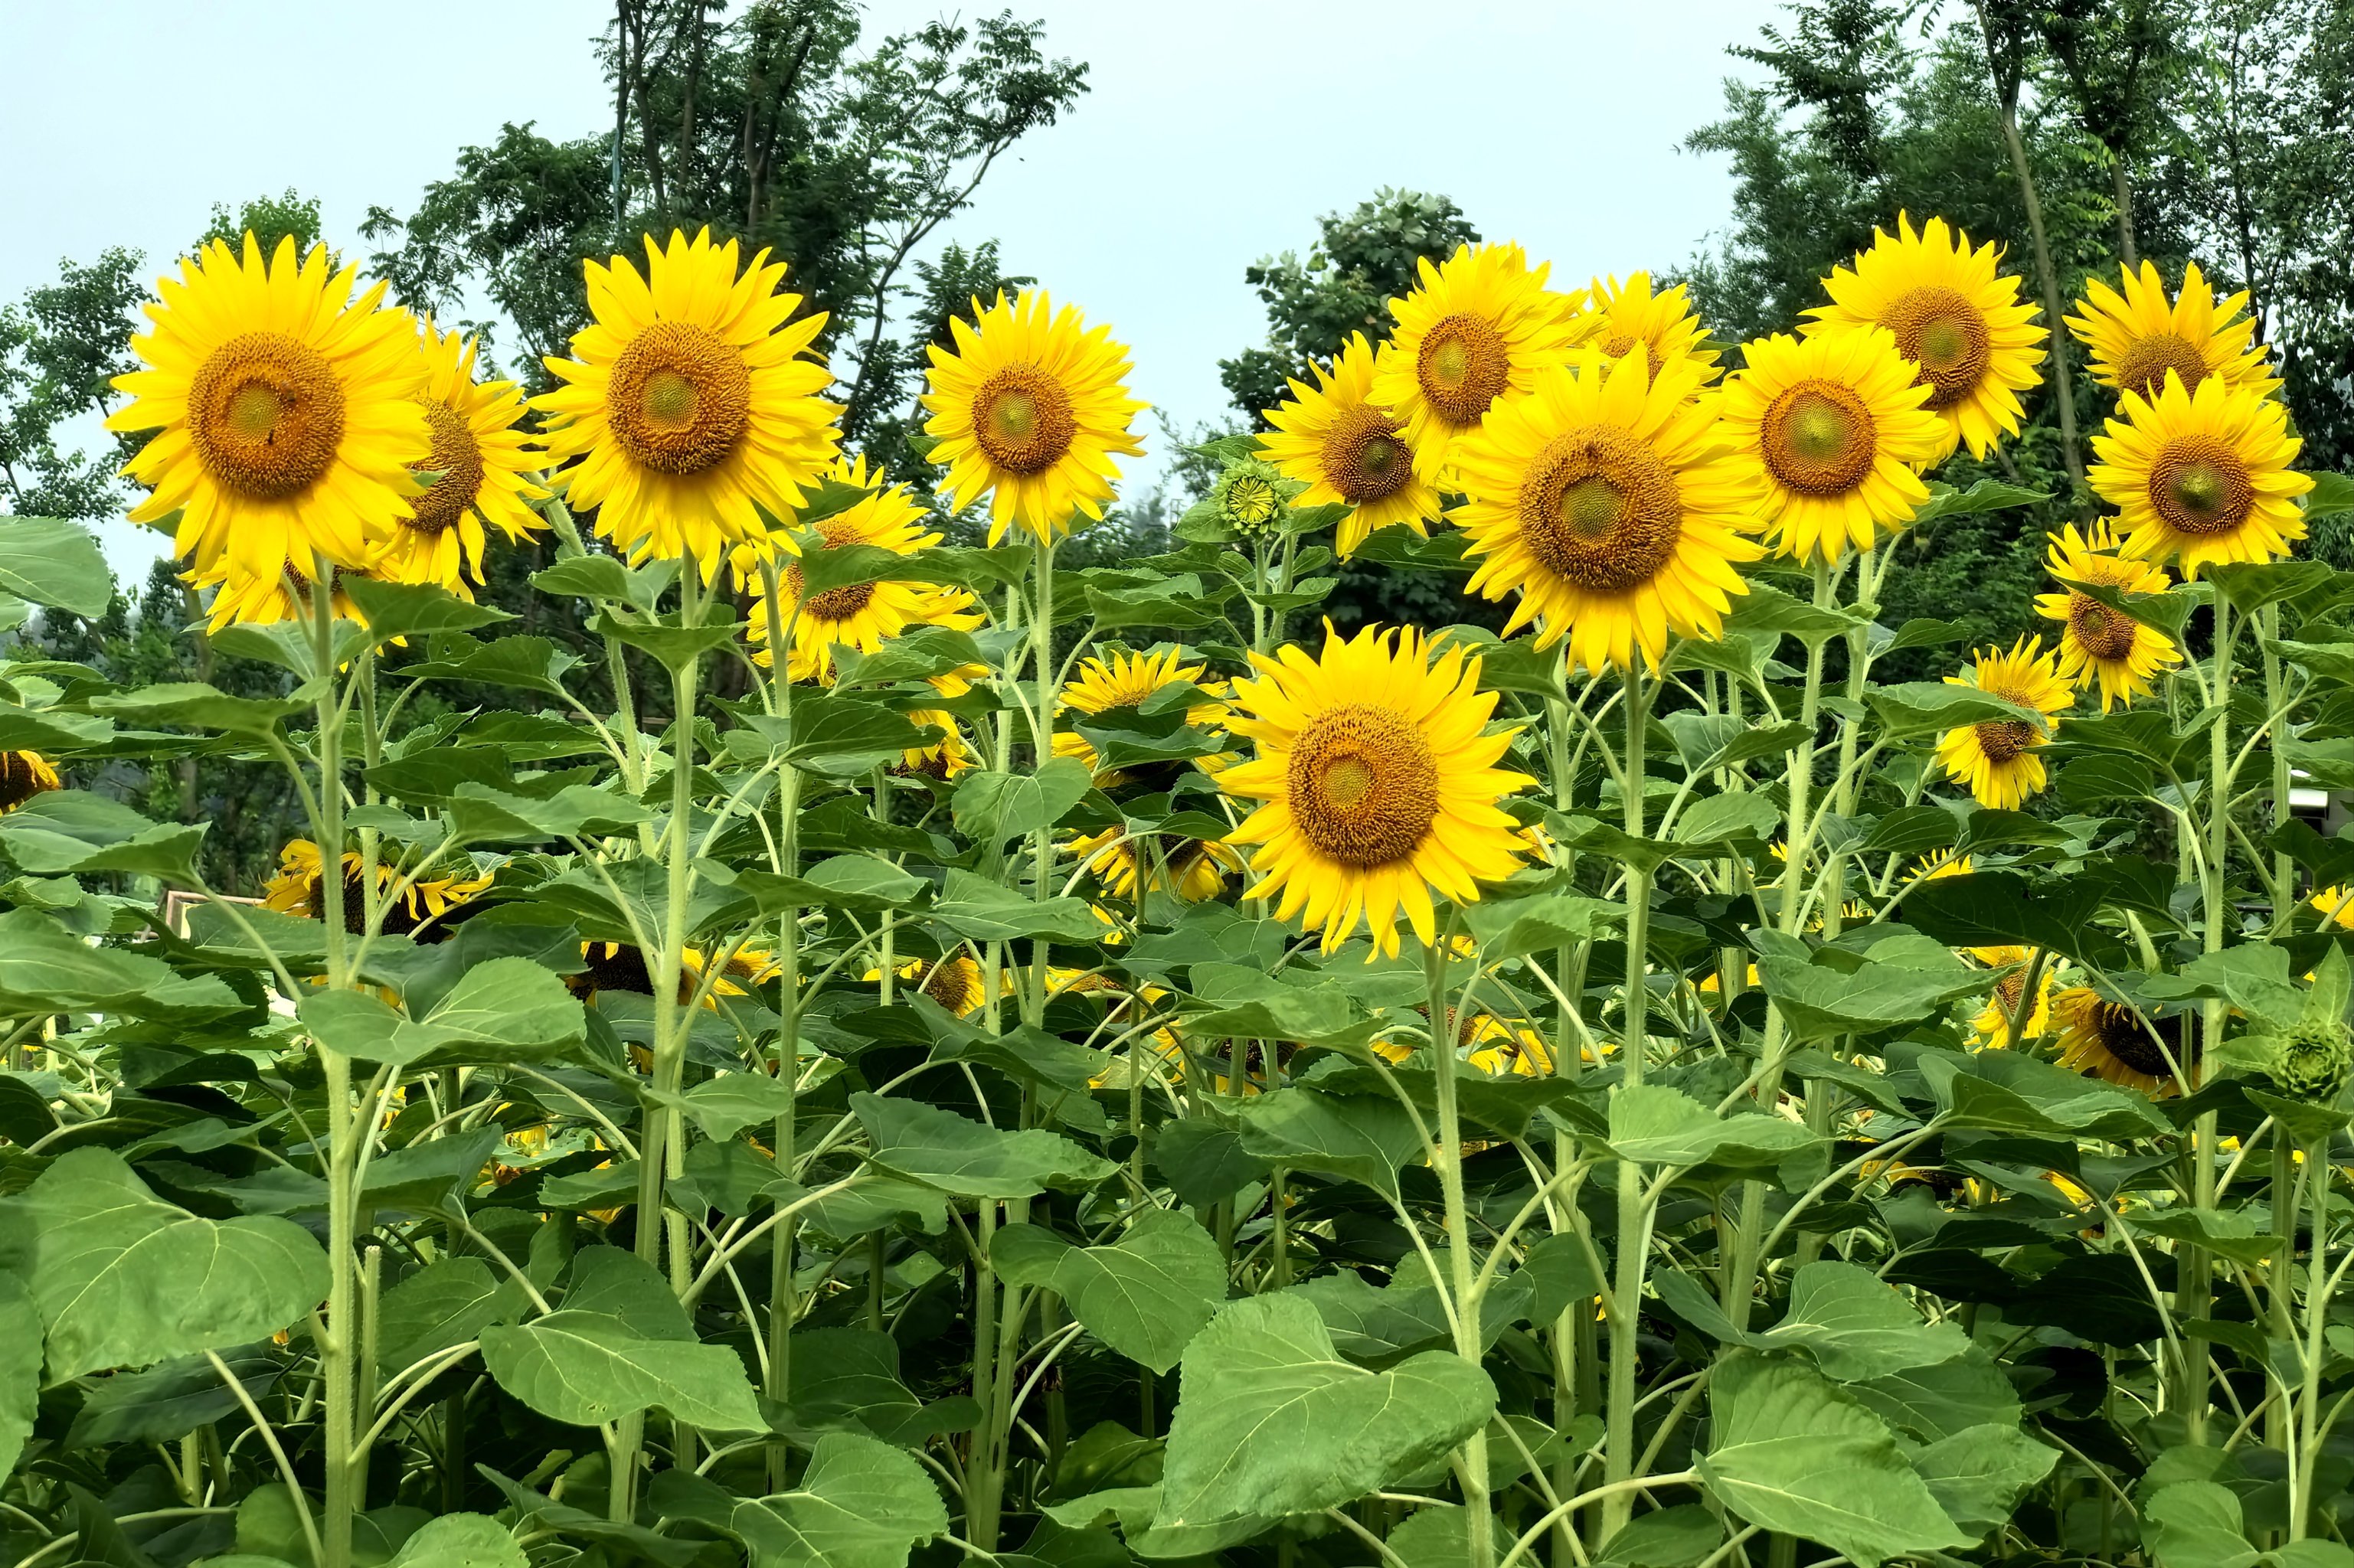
<point>2312,1059</point>
<point>1253,498</point>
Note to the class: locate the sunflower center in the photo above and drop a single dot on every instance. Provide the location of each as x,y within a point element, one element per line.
<point>266,414</point>
<point>2100,631</point>
<point>1022,417</point>
<point>459,461</point>
<point>1600,509</point>
<point>1624,344</point>
<point>1939,330</point>
<point>1251,499</point>
<point>1363,457</point>
<point>2200,485</point>
<point>679,399</point>
<point>1364,784</point>
<point>2125,1037</point>
<point>835,604</point>
<point>22,777</point>
<point>2146,360</point>
<point>2004,740</point>
<point>1819,439</point>
<point>947,983</point>
<point>2007,992</point>
<point>1462,366</point>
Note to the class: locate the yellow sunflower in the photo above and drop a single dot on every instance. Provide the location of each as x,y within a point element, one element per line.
<point>1378,783</point>
<point>484,463</point>
<point>1939,863</point>
<point>862,615</point>
<point>695,405</point>
<point>1992,1024</point>
<point>1619,318</point>
<point>1189,870</point>
<point>259,600</point>
<point>749,968</point>
<point>2137,337</point>
<point>1977,345</point>
<point>1615,504</point>
<point>1513,1050</point>
<point>954,980</point>
<point>1997,759</point>
<point>1349,451</point>
<point>2110,1039</point>
<point>1836,425</point>
<point>285,411</point>
<point>293,889</point>
<point>23,775</point>
<point>2201,475</point>
<point>1031,408</point>
<point>1126,681</point>
<point>2096,644</point>
<point>2335,904</point>
<point>1476,328</point>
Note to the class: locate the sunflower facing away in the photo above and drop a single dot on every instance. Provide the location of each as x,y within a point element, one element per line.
<point>1477,326</point>
<point>1620,318</point>
<point>23,775</point>
<point>2201,475</point>
<point>1836,425</point>
<point>1615,504</point>
<point>1126,681</point>
<point>1975,345</point>
<point>1031,408</point>
<point>1377,782</point>
<point>484,463</point>
<point>2138,337</point>
<point>2110,1039</point>
<point>695,405</point>
<point>1187,869</point>
<point>420,907</point>
<point>1997,759</point>
<point>2096,644</point>
<point>265,601</point>
<point>1993,1022</point>
<point>285,411</point>
<point>1349,450</point>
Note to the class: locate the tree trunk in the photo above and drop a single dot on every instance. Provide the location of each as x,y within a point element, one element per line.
<point>2061,381</point>
<point>2124,214</point>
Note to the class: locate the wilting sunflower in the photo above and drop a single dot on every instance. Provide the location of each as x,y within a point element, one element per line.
<point>420,908</point>
<point>2111,1040</point>
<point>1615,504</point>
<point>1997,759</point>
<point>862,615</point>
<point>2335,904</point>
<point>1975,345</point>
<point>1031,407</point>
<point>1189,870</point>
<point>695,405</point>
<point>1837,424</point>
<point>2201,475</point>
<point>2096,644</point>
<point>1477,326</point>
<point>1620,318</point>
<point>1378,781</point>
<point>1992,1024</point>
<point>286,411</point>
<point>23,775</point>
<point>484,463</point>
<point>1123,683</point>
<point>1349,450</point>
<point>2137,337</point>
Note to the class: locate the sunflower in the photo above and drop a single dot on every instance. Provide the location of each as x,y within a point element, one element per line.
<point>1188,869</point>
<point>745,969</point>
<point>1997,759</point>
<point>1478,326</point>
<point>1378,783</point>
<point>953,981</point>
<point>1837,424</point>
<point>2204,475</point>
<point>2112,1041</point>
<point>421,909</point>
<point>285,411</point>
<point>1125,1007</point>
<point>861,615</point>
<point>1975,345</point>
<point>1940,864</point>
<point>1513,1050</point>
<point>2097,643</point>
<point>262,600</point>
<point>1622,317</point>
<point>1124,682</point>
<point>943,758</point>
<point>2137,337</point>
<point>1993,1020</point>
<point>23,775</point>
<point>1349,450</point>
<point>695,405</point>
<point>1030,407</point>
<point>2335,904</point>
<point>1614,503</point>
<point>484,463</point>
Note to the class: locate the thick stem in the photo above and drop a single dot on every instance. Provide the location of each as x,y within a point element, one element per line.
<point>1634,1240</point>
<point>340,1349</point>
<point>784,1304</point>
<point>1471,1462</point>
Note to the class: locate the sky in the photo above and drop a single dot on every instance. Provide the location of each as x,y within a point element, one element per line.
<point>1205,143</point>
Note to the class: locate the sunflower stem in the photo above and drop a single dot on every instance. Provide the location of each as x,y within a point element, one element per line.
<point>2194,1288</point>
<point>784,1305</point>
<point>1472,1463</point>
<point>1634,1231</point>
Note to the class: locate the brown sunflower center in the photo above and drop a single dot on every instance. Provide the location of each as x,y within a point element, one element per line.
<point>1939,330</point>
<point>2100,631</point>
<point>2143,367</point>
<point>1022,417</point>
<point>948,983</point>
<point>2127,1038</point>
<point>2200,485</point>
<point>1600,508</point>
<point>1620,345</point>
<point>22,777</point>
<point>1364,785</point>
<point>1819,439</point>
<point>2007,992</point>
<point>458,459</point>
<point>1363,457</point>
<point>835,604</point>
<point>1462,366</point>
<point>2004,740</point>
<point>266,414</point>
<point>680,400</point>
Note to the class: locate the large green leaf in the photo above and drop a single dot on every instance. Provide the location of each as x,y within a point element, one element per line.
<point>504,1009</point>
<point>1978,1473</point>
<point>1145,1294</point>
<point>49,561</point>
<point>20,1369</point>
<point>984,911</point>
<point>446,1303</point>
<point>172,1398</point>
<point>45,968</point>
<point>67,832</point>
<point>461,1540</point>
<point>1349,1136</point>
<point>861,1504</point>
<point>957,1154</point>
<point>585,1368</point>
<point>1857,1326</point>
<point>993,807</point>
<point>1660,1124</point>
<point>413,610</point>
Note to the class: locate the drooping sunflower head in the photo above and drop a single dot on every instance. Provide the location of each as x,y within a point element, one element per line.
<point>1479,326</point>
<point>696,404</point>
<point>23,775</point>
<point>1349,450</point>
<point>1187,869</point>
<point>1621,319</point>
<point>1030,409</point>
<point>1124,681</point>
<point>1993,1024</point>
<point>254,600</point>
<point>1836,425</point>
<point>2137,336</point>
<point>2201,476</point>
<point>1976,345</point>
<point>285,411</point>
<point>2098,643</point>
<point>1615,505</point>
<point>482,464</point>
<point>2113,1041</point>
<point>1377,782</point>
<point>1997,759</point>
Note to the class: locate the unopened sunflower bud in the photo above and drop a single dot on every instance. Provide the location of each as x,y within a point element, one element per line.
<point>2311,1061</point>
<point>1253,497</point>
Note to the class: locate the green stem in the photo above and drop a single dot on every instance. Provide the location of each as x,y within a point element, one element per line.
<point>339,1350</point>
<point>1634,1238</point>
<point>1471,1464</point>
<point>784,1306</point>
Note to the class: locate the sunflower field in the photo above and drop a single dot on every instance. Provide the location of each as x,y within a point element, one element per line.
<point>973,1060</point>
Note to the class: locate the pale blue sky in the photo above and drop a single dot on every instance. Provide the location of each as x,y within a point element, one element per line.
<point>1216,132</point>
